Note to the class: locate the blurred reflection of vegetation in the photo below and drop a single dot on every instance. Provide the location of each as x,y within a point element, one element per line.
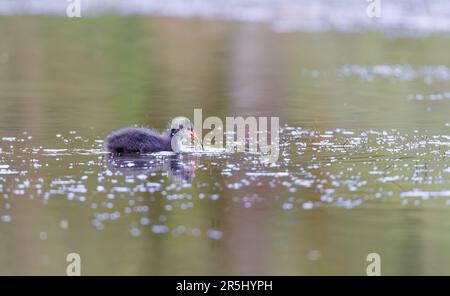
<point>111,70</point>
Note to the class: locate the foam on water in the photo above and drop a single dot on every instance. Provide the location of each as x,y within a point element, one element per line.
<point>392,72</point>
<point>345,168</point>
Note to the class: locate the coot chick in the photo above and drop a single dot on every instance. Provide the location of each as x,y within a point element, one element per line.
<point>142,140</point>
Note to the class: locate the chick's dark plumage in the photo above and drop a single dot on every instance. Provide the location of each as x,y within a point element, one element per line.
<point>137,140</point>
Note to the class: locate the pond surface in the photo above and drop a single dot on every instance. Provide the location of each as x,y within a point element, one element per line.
<point>364,162</point>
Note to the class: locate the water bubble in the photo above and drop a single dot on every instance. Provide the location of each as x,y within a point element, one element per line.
<point>64,224</point>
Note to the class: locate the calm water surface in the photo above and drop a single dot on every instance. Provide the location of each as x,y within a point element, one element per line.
<point>364,163</point>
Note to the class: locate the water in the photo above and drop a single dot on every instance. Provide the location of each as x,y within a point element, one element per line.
<point>363,164</point>
<point>397,17</point>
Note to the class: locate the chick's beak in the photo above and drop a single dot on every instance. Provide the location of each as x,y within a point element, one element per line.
<point>193,136</point>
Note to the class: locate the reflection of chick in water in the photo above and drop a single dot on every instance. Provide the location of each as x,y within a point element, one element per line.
<point>180,167</point>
